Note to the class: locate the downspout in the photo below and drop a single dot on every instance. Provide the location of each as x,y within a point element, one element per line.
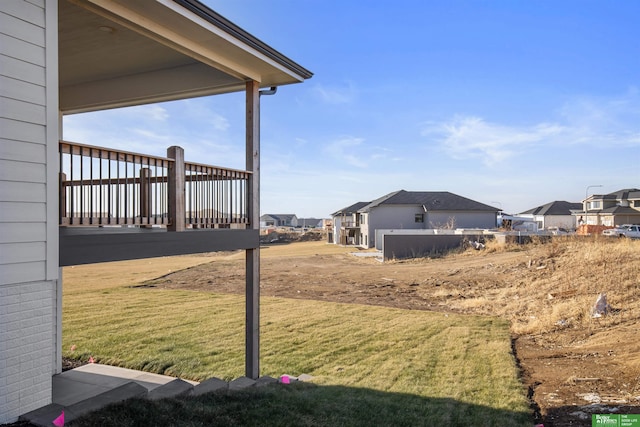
<point>271,91</point>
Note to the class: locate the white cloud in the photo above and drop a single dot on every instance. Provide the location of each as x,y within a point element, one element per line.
<point>219,122</point>
<point>194,125</point>
<point>585,121</point>
<point>612,121</point>
<point>473,137</point>
<point>154,112</point>
<point>347,149</point>
<point>355,152</point>
<point>151,136</point>
<point>335,95</point>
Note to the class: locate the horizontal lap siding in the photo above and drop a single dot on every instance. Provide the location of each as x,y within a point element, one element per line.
<point>27,298</point>
<point>22,120</point>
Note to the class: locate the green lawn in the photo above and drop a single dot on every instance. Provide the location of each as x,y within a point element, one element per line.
<point>370,365</point>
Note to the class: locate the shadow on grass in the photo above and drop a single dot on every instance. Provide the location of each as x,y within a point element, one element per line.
<point>304,404</point>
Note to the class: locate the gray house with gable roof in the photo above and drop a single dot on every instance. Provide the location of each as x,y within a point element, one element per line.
<point>420,210</point>
<point>278,220</point>
<point>559,213</point>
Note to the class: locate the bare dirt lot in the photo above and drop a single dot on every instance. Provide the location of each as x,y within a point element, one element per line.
<point>573,364</point>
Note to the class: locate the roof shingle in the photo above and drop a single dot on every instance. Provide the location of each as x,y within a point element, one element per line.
<point>430,201</point>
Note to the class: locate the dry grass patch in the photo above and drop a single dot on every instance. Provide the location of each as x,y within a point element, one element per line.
<point>557,285</point>
<point>298,249</point>
<point>82,278</point>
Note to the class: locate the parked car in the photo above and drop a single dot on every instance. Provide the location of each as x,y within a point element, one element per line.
<point>626,230</point>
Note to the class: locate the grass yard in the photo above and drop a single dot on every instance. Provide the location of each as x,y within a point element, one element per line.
<point>370,365</point>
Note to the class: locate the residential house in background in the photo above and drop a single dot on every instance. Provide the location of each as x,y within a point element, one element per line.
<point>612,209</point>
<point>310,223</point>
<point>560,214</point>
<point>60,57</point>
<point>419,210</point>
<point>346,225</point>
<point>278,220</point>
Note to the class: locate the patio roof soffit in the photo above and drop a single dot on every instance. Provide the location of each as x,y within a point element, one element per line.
<point>116,53</point>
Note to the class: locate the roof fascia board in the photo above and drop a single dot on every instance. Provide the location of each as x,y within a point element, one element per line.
<point>238,33</point>
<point>228,37</point>
<point>141,24</point>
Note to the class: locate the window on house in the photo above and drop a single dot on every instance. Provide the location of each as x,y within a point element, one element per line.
<point>595,204</point>
<point>419,217</point>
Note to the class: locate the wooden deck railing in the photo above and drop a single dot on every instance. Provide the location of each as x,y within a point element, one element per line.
<point>104,187</point>
<point>215,196</point>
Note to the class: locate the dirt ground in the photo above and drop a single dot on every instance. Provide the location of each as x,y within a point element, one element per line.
<point>572,367</point>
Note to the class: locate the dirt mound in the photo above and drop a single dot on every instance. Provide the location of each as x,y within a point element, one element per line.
<point>294,236</point>
<point>573,364</point>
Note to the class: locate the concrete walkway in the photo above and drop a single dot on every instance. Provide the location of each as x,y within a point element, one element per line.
<point>91,387</point>
<point>93,379</point>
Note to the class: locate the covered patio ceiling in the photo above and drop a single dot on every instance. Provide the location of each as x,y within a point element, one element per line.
<point>115,53</point>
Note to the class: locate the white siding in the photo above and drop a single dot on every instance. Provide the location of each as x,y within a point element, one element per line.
<point>29,285</point>
<point>20,151</point>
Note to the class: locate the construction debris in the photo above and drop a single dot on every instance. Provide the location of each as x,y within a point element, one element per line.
<point>601,307</point>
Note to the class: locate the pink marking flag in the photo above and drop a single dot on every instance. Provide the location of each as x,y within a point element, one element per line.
<point>59,422</point>
<point>90,359</point>
<point>284,379</point>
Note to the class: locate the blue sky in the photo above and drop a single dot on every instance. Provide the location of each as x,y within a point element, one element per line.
<point>509,103</point>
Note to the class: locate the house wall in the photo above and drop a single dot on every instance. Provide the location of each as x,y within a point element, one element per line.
<point>462,219</point>
<point>393,216</point>
<point>619,219</point>
<point>29,273</point>
<point>562,221</point>
<point>403,217</point>
<point>267,221</point>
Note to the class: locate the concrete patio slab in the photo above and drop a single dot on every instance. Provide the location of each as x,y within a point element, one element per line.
<point>93,386</point>
<point>90,380</point>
